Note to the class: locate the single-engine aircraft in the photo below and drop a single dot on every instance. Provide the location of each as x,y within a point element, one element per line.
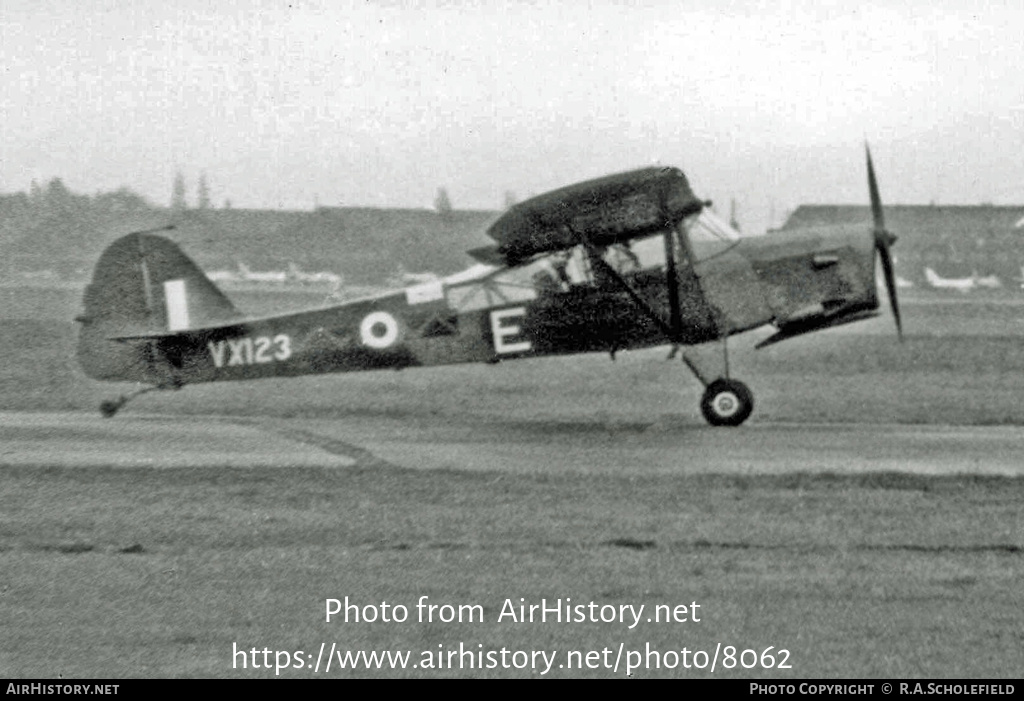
<point>626,261</point>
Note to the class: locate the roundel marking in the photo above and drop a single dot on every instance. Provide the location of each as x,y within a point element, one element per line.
<point>378,330</point>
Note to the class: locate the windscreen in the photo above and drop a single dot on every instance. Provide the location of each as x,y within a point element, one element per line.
<point>709,235</point>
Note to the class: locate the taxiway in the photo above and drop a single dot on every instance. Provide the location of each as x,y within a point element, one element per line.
<point>78,439</point>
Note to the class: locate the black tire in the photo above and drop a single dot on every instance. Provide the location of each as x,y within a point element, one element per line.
<point>727,403</point>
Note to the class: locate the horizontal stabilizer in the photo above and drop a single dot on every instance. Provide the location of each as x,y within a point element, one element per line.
<point>222,329</point>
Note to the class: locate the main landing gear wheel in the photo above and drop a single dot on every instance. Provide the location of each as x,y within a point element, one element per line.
<point>727,403</point>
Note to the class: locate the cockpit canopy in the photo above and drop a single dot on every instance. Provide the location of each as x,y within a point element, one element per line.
<point>560,271</point>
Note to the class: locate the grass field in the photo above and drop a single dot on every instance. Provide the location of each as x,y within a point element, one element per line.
<point>153,573</point>
<point>133,573</point>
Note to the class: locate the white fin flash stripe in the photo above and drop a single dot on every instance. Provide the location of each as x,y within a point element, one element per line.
<point>177,305</point>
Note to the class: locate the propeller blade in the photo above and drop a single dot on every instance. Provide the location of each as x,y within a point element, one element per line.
<point>876,201</point>
<point>883,242</point>
<point>890,286</point>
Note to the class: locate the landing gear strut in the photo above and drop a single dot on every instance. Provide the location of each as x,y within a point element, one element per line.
<point>726,402</point>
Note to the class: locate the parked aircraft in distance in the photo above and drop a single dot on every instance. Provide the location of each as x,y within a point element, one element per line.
<point>223,276</point>
<point>901,284</point>
<point>404,278</point>
<point>275,276</point>
<point>295,274</point>
<point>965,284</point>
<point>626,261</point>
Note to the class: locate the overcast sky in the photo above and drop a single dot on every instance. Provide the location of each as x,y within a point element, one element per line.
<point>282,103</point>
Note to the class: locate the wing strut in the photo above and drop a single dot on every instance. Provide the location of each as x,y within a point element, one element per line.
<point>672,280</point>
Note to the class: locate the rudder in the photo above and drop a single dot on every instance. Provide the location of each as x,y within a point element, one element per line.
<point>143,285</point>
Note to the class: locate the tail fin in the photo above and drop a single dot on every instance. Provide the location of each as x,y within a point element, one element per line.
<point>143,285</point>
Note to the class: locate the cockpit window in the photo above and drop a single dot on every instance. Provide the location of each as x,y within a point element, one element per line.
<point>649,251</point>
<point>565,270</point>
<point>550,274</point>
<point>709,235</point>
<point>502,287</point>
<point>707,226</point>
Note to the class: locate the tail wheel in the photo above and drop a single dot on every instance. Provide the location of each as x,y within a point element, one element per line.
<point>109,408</point>
<point>727,403</point>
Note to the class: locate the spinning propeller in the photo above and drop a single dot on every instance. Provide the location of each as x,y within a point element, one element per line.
<point>883,242</point>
